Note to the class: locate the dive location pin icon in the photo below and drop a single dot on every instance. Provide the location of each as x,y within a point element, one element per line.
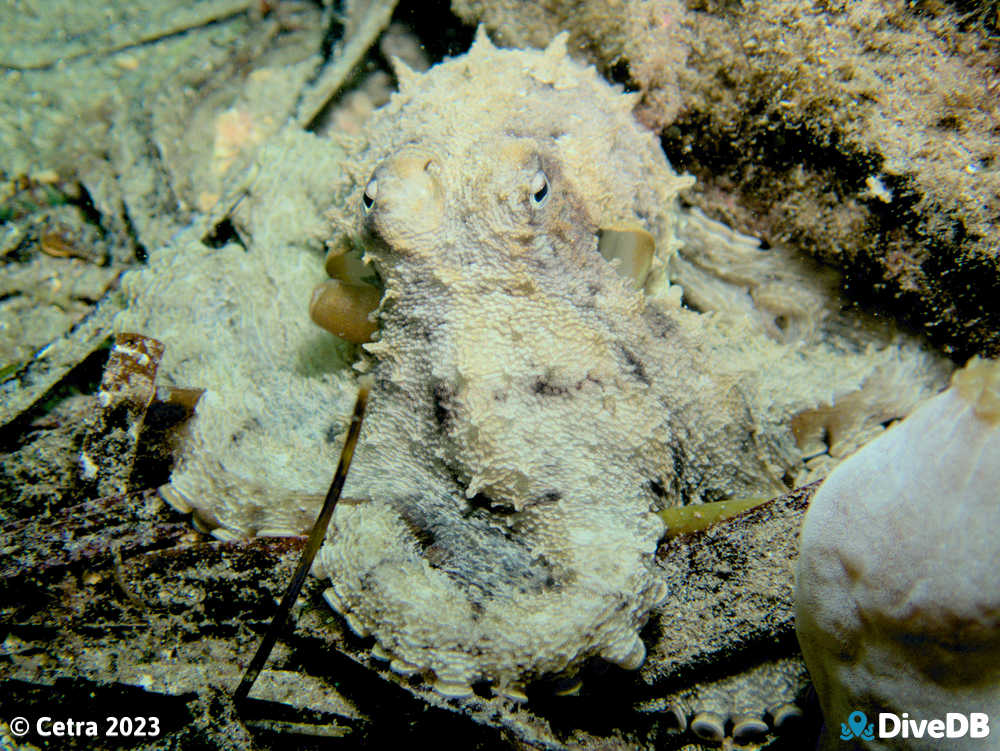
<point>857,722</point>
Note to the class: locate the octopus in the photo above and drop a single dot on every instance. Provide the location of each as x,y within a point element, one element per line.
<point>531,411</point>
<point>541,396</point>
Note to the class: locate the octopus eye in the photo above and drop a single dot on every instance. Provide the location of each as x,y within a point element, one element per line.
<point>371,190</point>
<point>539,188</point>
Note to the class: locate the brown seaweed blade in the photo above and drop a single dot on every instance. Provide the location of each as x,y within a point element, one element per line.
<point>316,537</point>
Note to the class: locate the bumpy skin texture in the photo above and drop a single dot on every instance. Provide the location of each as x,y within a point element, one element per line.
<point>531,408</point>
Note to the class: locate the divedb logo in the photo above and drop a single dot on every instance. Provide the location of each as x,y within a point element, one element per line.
<point>857,727</point>
<point>952,725</point>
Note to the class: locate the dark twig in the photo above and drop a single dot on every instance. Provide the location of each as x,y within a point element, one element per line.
<point>316,537</point>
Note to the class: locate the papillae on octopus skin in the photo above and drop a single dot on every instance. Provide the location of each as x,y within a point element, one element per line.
<point>542,398</point>
<point>530,415</point>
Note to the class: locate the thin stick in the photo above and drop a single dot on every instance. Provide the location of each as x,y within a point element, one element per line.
<point>316,537</point>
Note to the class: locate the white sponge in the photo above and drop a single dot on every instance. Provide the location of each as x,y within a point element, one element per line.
<point>898,588</point>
